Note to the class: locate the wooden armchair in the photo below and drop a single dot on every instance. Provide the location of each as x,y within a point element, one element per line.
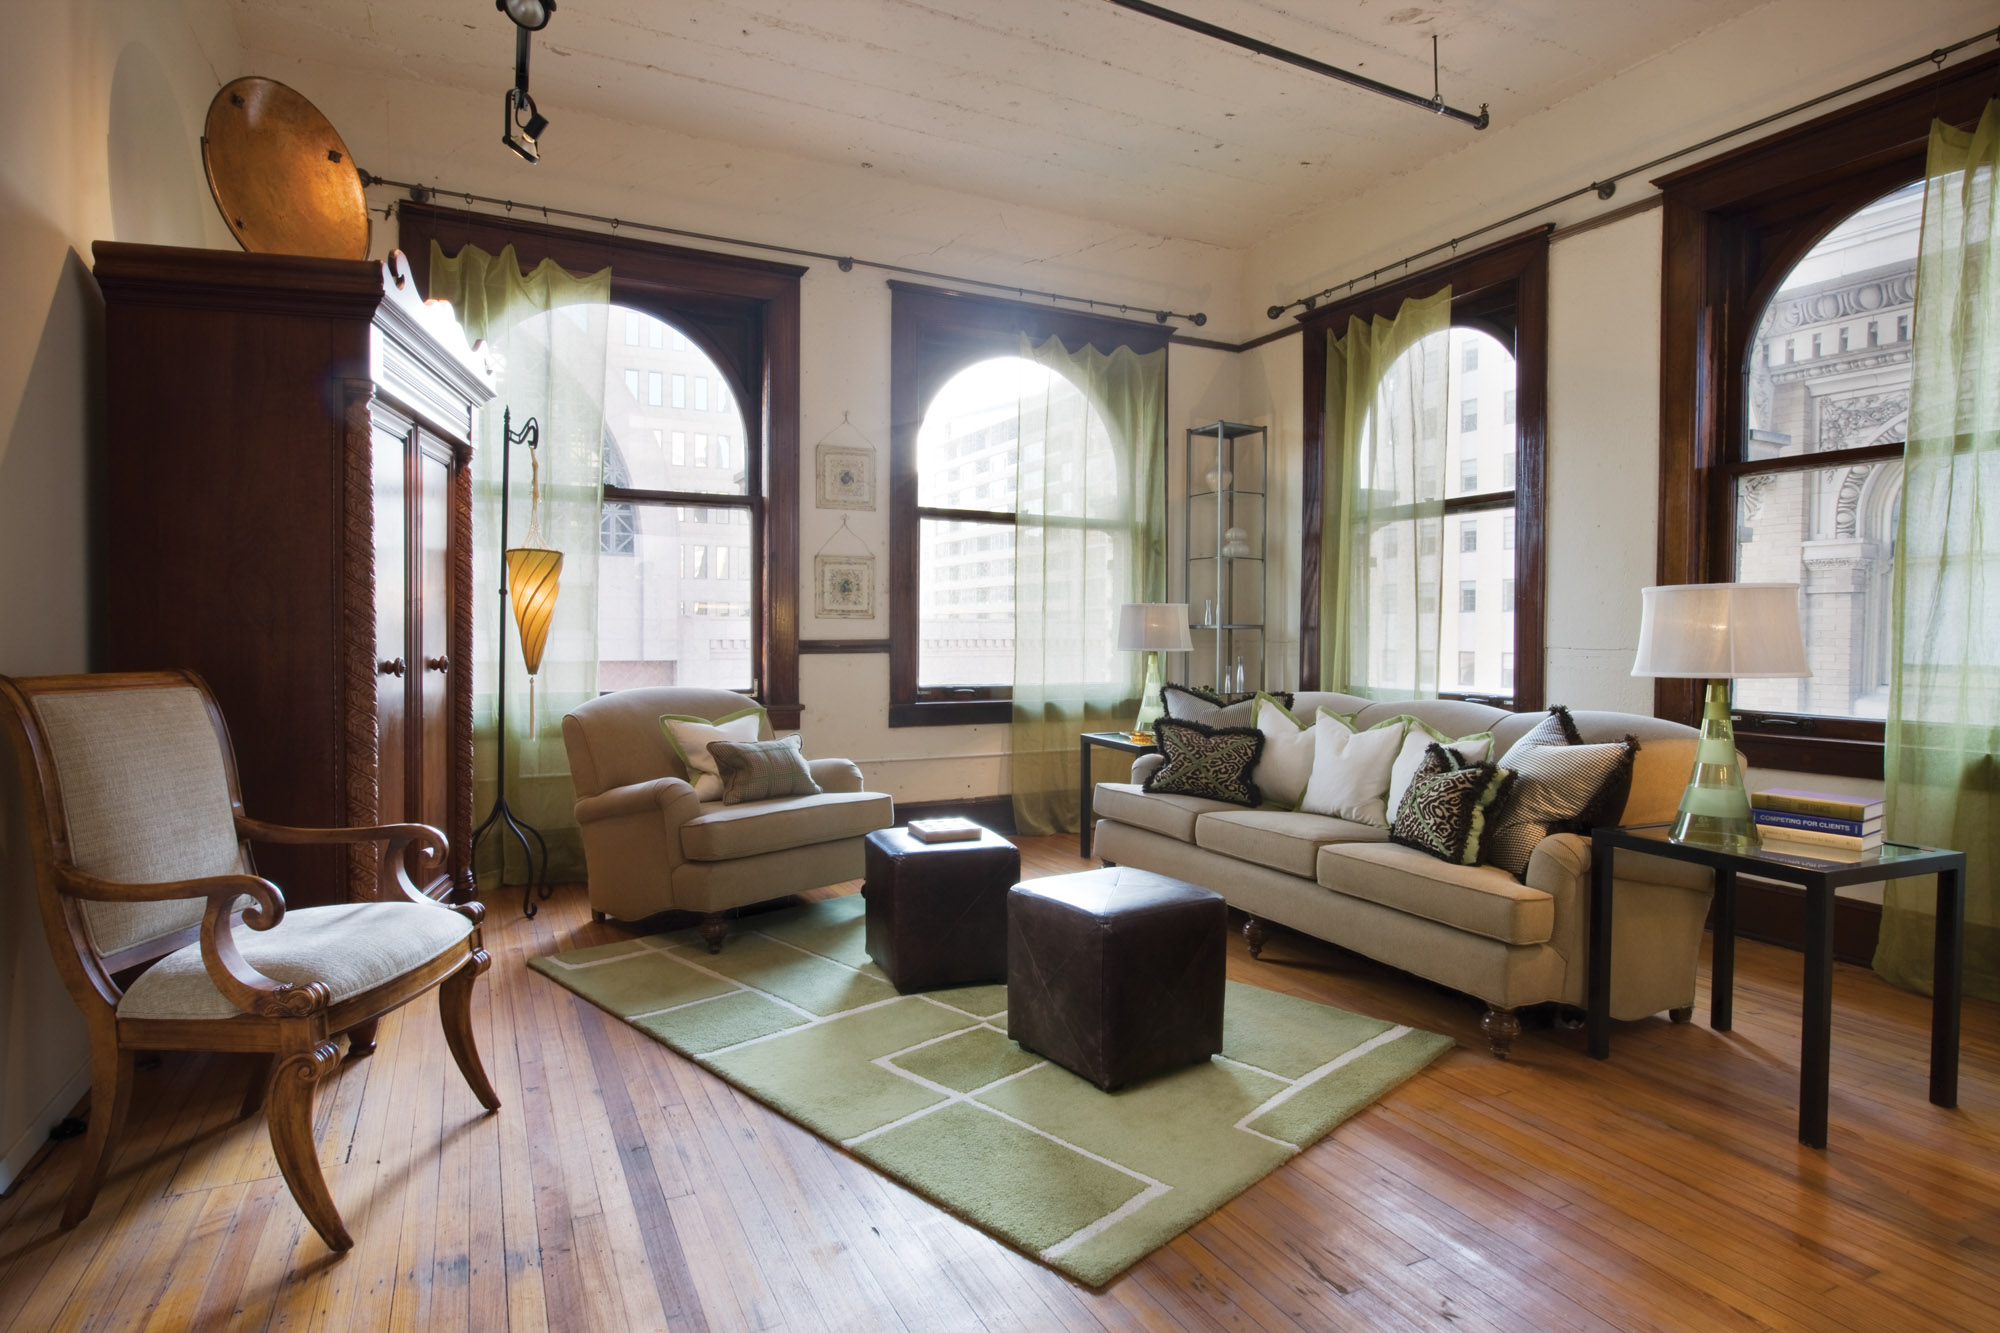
<point>142,856</point>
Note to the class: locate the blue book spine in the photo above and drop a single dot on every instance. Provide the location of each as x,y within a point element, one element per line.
<point>1853,828</point>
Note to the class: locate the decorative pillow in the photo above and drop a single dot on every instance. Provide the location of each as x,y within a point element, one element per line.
<point>1350,769</point>
<point>1475,749</point>
<point>1288,751</point>
<point>1558,728</point>
<point>761,770</point>
<point>1447,810</point>
<point>1192,703</point>
<point>1214,762</point>
<point>1557,788</point>
<point>690,737</point>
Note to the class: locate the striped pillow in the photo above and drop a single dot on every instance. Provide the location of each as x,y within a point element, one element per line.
<point>762,770</point>
<point>1557,788</point>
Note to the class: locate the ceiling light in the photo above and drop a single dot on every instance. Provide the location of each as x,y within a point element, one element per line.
<point>532,15</point>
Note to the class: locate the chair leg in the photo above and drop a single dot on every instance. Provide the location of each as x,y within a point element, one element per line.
<point>260,1083</point>
<point>110,1094</point>
<point>361,1039</point>
<point>455,1010</point>
<point>292,1139</point>
<point>714,928</point>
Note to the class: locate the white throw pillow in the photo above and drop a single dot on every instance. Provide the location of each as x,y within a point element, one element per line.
<point>690,737</point>
<point>1421,735</point>
<point>1287,759</point>
<point>1350,772</point>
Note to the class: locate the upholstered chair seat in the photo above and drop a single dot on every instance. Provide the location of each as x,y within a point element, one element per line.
<point>350,949</point>
<point>651,844</point>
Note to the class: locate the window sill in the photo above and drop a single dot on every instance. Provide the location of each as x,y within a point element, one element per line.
<point>1812,754</point>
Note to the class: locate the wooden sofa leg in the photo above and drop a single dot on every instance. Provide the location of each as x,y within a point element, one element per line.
<point>1680,1015</point>
<point>1501,1026</point>
<point>714,927</point>
<point>1253,935</point>
<point>598,916</point>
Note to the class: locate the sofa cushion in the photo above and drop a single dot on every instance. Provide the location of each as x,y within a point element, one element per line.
<point>349,948</point>
<point>728,832</point>
<point>1156,812</point>
<point>1281,839</point>
<point>1483,900</point>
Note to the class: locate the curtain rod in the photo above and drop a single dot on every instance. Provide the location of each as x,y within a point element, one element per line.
<point>422,194</point>
<point>1607,187</point>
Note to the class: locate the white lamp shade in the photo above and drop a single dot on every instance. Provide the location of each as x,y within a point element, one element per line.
<point>1721,631</point>
<point>1154,627</point>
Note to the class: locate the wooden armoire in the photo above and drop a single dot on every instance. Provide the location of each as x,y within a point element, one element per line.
<point>284,504</point>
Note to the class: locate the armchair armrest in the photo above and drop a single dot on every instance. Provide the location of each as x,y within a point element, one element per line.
<point>392,879</point>
<point>240,983</point>
<point>672,798</point>
<point>835,774</point>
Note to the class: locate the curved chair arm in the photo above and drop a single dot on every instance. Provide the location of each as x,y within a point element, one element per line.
<point>835,774</point>
<point>241,984</point>
<point>673,798</point>
<point>1145,765</point>
<point>392,878</point>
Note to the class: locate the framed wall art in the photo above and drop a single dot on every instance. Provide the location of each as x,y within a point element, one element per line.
<point>846,477</point>
<point>844,587</point>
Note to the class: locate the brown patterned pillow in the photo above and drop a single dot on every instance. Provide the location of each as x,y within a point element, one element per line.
<point>762,770</point>
<point>1212,762</point>
<point>1445,812</point>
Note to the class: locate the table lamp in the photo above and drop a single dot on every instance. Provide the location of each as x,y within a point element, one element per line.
<point>1719,632</point>
<point>1152,628</point>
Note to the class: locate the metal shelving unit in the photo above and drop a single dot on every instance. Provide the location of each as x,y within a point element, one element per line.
<point>1224,555</point>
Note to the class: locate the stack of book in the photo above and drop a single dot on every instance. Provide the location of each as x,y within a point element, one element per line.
<point>1817,819</point>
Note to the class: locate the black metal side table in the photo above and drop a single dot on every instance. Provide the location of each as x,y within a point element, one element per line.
<point>1110,740</point>
<point>1819,877</point>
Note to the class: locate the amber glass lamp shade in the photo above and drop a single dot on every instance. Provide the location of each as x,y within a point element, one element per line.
<point>534,574</point>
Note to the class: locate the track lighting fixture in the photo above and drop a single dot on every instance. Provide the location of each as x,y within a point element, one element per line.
<point>523,124</point>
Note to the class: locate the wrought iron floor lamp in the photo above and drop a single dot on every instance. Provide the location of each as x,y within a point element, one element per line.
<point>502,817</point>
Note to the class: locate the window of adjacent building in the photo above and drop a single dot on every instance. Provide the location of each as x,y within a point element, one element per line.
<point>1469,357</point>
<point>701,393</point>
<point>680,390</point>
<point>1506,594</point>
<point>1468,535</point>
<point>1468,475</point>
<point>1507,471</point>
<point>1468,414</point>
<point>631,328</point>
<point>1468,670</point>
<point>1468,601</point>
<point>655,543</point>
<point>722,395</point>
<point>1507,408</point>
<point>632,384</point>
<point>722,451</point>
<point>1819,488</point>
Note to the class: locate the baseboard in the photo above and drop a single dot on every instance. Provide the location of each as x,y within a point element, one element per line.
<point>22,1151</point>
<point>1776,914</point>
<point>995,812</point>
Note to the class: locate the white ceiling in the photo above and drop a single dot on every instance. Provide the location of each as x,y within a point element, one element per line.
<point>1074,105</point>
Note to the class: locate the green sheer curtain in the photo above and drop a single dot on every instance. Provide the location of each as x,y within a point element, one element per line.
<point>545,334</point>
<point>1090,535</point>
<point>1381,543</point>
<point>1944,688</point>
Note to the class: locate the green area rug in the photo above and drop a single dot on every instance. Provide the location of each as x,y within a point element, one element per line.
<point>928,1089</point>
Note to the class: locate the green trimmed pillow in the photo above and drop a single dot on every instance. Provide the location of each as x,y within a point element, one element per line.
<point>1446,812</point>
<point>762,770</point>
<point>690,735</point>
<point>1211,762</point>
<point>1287,761</point>
<point>1474,749</point>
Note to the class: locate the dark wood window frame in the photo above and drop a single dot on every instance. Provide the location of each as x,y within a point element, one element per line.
<point>1502,290</point>
<point>935,333</point>
<point>744,314</point>
<point>1733,227</point>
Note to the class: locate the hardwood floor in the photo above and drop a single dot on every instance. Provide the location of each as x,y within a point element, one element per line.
<point>621,1187</point>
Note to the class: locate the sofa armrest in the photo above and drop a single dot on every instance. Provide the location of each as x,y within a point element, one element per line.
<point>1145,766</point>
<point>835,774</point>
<point>671,798</point>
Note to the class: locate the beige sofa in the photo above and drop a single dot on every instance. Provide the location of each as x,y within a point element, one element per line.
<point>651,846</point>
<point>1475,929</point>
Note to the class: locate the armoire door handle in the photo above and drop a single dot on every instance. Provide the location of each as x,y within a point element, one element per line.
<point>393,667</point>
<point>438,664</point>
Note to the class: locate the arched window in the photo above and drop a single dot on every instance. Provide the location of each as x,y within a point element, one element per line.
<point>994,429</point>
<point>674,580</point>
<point>1826,391</point>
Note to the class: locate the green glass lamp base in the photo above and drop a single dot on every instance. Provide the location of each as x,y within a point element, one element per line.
<point>1715,808</point>
<point>1152,706</point>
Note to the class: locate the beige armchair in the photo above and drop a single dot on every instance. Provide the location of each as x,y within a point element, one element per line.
<point>651,846</point>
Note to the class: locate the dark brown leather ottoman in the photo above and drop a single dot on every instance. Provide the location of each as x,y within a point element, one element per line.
<point>1116,974</point>
<point>937,911</point>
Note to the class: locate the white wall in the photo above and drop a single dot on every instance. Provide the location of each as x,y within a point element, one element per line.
<point>104,101</point>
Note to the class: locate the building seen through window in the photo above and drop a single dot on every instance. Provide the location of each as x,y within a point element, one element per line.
<point>673,580</point>
<point>1828,373</point>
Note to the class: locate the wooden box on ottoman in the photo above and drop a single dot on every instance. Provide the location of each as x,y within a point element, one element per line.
<point>937,911</point>
<point>1116,974</point>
